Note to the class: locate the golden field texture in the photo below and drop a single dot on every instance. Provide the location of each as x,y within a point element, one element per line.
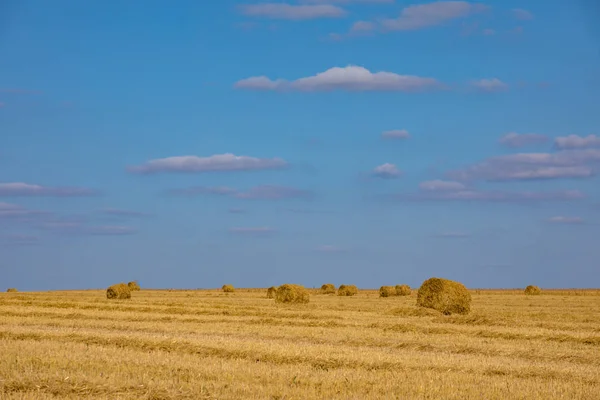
<point>207,344</point>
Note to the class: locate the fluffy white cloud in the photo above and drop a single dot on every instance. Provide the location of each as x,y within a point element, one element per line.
<point>489,85</point>
<point>521,14</point>
<point>441,186</point>
<point>396,134</point>
<point>292,12</point>
<point>18,189</point>
<point>577,142</point>
<point>516,140</point>
<point>431,14</point>
<point>387,171</point>
<point>566,220</point>
<point>217,162</point>
<point>350,78</point>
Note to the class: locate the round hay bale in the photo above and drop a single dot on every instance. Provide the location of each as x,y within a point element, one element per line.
<point>118,291</point>
<point>328,288</point>
<point>445,296</point>
<point>387,291</point>
<point>403,290</point>
<point>11,290</point>
<point>134,286</point>
<point>532,290</point>
<point>271,292</point>
<point>228,288</point>
<point>289,293</point>
<point>347,290</point>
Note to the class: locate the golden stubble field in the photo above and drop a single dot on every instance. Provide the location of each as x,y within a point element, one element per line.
<point>206,344</point>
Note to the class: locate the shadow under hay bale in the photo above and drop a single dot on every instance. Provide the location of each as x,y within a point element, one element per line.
<point>532,290</point>
<point>271,292</point>
<point>328,288</point>
<point>347,290</point>
<point>289,293</point>
<point>403,290</point>
<point>387,291</point>
<point>119,291</point>
<point>228,288</point>
<point>134,286</point>
<point>445,296</point>
<point>11,290</point>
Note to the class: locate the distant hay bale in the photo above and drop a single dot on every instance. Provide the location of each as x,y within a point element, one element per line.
<point>532,290</point>
<point>328,288</point>
<point>445,296</point>
<point>403,290</point>
<point>271,292</point>
<point>11,290</point>
<point>347,290</point>
<point>289,293</point>
<point>118,291</point>
<point>134,286</point>
<point>228,288</point>
<point>387,291</point>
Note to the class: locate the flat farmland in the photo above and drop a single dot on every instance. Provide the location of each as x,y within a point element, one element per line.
<point>205,344</point>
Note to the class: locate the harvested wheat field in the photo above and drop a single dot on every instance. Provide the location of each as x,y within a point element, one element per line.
<point>213,345</point>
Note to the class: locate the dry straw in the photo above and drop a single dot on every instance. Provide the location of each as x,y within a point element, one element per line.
<point>134,286</point>
<point>445,296</point>
<point>387,291</point>
<point>228,288</point>
<point>289,293</point>
<point>11,290</point>
<point>403,290</point>
<point>271,292</point>
<point>347,290</point>
<point>532,290</point>
<point>328,288</point>
<point>118,291</point>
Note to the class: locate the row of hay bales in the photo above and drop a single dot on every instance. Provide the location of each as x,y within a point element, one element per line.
<point>398,290</point>
<point>343,290</point>
<point>122,291</point>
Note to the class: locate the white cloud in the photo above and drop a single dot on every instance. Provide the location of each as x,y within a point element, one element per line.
<point>521,14</point>
<point>577,142</point>
<point>20,189</point>
<point>441,186</point>
<point>362,26</point>
<point>566,220</point>
<point>387,171</point>
<point>350,78</point>
<point>489,85</point>
<point>261,192</point>
<point>347,1</point>
<point>516,140</point>
<point>396,134</point>
<point>427,15</point>
<point>122,213</point>
<point>475,195</point>
<point>292,12</point>
<point>217,162</point>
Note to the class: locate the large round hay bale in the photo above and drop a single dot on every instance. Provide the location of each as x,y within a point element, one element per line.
<point>228,288</point>
<point>289,293</point>
<point>532,290</point>
<point>387,291</point>
<point>328,288</point>
<point>271,292</point>
<point>445,296</point>
<point>134,286</point>
<point>118,291</point>
<point>403,290</point>
<point>347,290</point>
<point>11,290</point>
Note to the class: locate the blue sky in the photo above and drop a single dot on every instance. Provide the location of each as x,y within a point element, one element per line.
<point>362,142</point>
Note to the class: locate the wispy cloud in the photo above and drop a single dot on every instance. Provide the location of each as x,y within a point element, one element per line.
<point>115,212</point>
<point>292,12</point>
<point>566,220</point>
<point>396,134</point>
<point>350,78</point>
<point>489,85</point>
<point>217,162</point>
<point>432,14</point>
<point>441,186</point>
<point>261,192</point>
<point>521,14</point>
<point>261,230</point>
<point>347,1</point>
<point>19,91</point>
<point>20,189</point>
<point>532,166</point>
<point>19,239</point>
<point>516,140</point>
<point>387,171</point>
<point>14,211</point>
<point>81,228</point>
<point>577,142</point>
<point>452,235</point>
